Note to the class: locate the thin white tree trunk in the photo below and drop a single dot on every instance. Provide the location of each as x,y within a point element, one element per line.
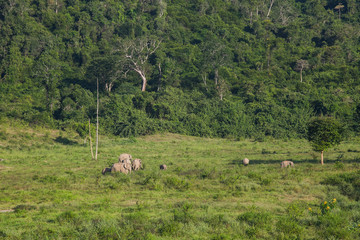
<point>143,88</point>
<point>97,119</point>
<point>271,4</point>
<point>91,146</point>
<point>216,76</point>
<point>143,78</point>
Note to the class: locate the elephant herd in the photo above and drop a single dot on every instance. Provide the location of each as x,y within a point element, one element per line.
<point>126,164</point>
<point>283,164</point>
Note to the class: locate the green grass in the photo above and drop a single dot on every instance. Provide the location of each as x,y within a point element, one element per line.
<point>58,191</point>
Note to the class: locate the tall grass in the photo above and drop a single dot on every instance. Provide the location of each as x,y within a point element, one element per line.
<point>58,192</point>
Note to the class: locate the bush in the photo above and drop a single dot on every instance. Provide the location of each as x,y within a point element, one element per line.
<point>288,228</point>
<point>176,183</point>
<point>255,218</point>
<point>168,228</point>
<point>348,183</point>
<point>182,213</point>
<point>334,226</point>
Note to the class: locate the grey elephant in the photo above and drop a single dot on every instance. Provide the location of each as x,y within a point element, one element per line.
<point>120,167</point>
<point>246,161</point>
<point>106,170</point>
<point>126,159</point>
<point>285,164</point>
<point>136,164</point>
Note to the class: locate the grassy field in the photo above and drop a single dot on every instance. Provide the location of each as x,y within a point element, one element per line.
<point>56,191</point>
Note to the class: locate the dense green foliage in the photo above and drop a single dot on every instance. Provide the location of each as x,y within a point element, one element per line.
<point>208,67</point>
<point>324,133</point>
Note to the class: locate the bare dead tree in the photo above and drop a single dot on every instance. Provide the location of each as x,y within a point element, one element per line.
<point>160,75</point>
<point>269,10</point>
<point>215,56</point>
<point>301,65</point>
<point>286,13</point>
<point>162,5</point>
<point>137,54</point>
<point>339,7</point>
<point>204,78</point>
<point>221,88</point>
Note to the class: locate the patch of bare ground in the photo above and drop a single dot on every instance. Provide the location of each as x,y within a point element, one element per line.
<point>7,210</point>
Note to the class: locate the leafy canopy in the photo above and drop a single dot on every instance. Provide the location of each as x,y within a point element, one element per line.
<point>324,133</point>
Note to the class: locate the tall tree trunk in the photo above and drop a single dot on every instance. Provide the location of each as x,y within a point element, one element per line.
<point>204,77</point>
<point>322,157</point>
<point>160,76</point>
<point>97,119</point>
<point>269,58</point>
<point>301,75</point>
<point>271,4</point>
<point>144,80</point>
<point>91,146</point>
<point>216,77</point>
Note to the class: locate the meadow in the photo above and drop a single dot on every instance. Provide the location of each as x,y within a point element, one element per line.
<point>50,188</point>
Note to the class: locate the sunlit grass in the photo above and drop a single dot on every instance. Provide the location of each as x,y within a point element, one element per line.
<point>59,191</point>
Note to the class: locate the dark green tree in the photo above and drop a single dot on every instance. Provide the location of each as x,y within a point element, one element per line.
<point>48,71</point>
<point>324,133</point>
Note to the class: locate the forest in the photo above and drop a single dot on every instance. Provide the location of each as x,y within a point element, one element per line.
<point>215,68</point>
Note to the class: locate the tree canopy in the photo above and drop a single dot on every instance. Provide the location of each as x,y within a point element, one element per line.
<point>206,68</point>
<point>324,133</point>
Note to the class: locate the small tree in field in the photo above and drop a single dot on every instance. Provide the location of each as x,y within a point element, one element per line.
<point>324,133</point>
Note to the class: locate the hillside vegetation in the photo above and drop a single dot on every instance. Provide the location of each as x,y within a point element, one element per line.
<point>224,68</point>
<point>57,192</point>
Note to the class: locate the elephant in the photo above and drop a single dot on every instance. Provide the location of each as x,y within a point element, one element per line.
<point>136,164</point>
<point>120,167</point>
<point>246,161</point>
<point>285,164</point>
<point>106,170</point>
<point>125,157</point>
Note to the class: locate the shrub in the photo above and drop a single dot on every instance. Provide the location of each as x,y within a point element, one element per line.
<point>288,228</point>
<point>152,181</point>
<point>208,173</point>
<point>176,183</point>
<point>334,225</point>
<point>67,217</point>
<point>255,218</point>
<point>348,183</point>
<point>168,228</point>
<point>24,207</point>
<point>183,213</point>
